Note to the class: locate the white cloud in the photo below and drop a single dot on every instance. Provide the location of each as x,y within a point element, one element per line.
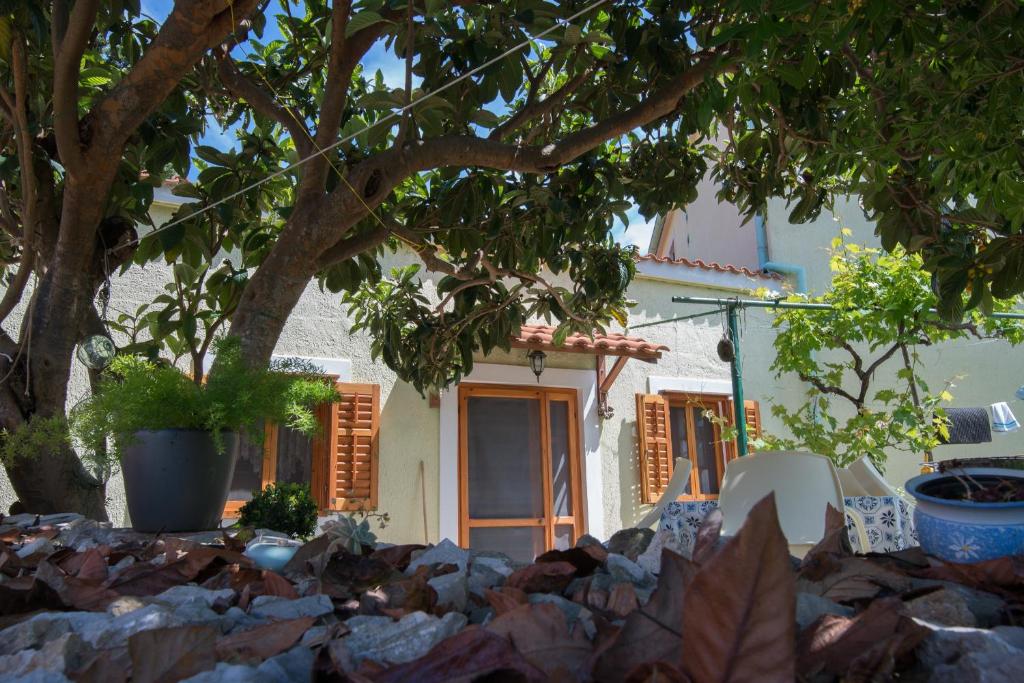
<point>638,233</point>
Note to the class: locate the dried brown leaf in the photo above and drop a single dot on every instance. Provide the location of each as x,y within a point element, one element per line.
<point>707,537</point>
<point>1002,576</point>
<point>545,577</point>
<point>469,655</point>
<point>541,634</point>
<point>264,641</point>
<point>398,556</point>
<point>75,592</point>
<point>854,579</point>
<point>622,600</point>
<point>302,561</point>
<point>739,623</point>
<point>823,559</point>
<point>656,672</point>
<point>585,558</point>
<point>505,599</point>
<point>866,647</point>
<point>651,633</point>
<point>185,562</point>
<point>164,655</point>
<point>107,666</point>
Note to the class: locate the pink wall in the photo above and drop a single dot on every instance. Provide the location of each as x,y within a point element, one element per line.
<point>710,231</point>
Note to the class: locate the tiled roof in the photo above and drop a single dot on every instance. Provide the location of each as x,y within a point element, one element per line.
<point>541,337</point>
<point>721,268</point>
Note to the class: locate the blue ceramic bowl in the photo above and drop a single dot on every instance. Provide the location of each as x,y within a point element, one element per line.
<point>965,531</point>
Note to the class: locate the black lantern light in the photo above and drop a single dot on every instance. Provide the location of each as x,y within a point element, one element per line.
<point>537,359</point>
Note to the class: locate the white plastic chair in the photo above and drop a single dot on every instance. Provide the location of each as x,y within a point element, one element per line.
<point>875,484</point>
<point>675,488</point>
<point>804,484</point>
<point>851,485</point>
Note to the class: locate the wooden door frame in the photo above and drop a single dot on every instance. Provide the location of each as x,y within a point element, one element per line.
<point>549,521</point>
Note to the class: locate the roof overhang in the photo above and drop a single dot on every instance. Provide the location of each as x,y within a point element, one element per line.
<point>541,337</point>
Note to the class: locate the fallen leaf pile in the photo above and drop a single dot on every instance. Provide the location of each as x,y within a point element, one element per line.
<point>730,613</point>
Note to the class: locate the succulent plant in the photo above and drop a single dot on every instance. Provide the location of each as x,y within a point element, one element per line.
<point>345,532</point>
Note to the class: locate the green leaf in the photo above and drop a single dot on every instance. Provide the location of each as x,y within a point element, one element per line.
<point>364,19</point>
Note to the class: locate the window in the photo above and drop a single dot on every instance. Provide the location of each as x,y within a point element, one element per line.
<point>676,425</point>
<point>339,463</point>
<point>519,470</point>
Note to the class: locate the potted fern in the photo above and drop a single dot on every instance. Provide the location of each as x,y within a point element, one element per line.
<point>176,439</point>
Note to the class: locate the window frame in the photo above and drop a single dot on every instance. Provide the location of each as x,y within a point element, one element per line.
<point>549,521</point>
<point>319,467</point>
<point>723,406</point>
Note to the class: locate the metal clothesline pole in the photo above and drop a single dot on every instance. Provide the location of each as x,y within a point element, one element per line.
<point>731,306</point>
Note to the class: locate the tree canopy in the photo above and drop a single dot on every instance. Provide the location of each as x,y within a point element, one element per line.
<point>505,183</point>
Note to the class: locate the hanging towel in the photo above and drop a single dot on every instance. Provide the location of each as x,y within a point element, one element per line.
<point>1003,419</point>
<point>969,425</point>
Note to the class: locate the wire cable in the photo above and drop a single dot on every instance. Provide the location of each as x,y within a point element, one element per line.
<point>395,113</point>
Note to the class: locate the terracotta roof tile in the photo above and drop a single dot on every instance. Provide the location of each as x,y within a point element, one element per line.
<point>541,337</point>
<point>721,268</point>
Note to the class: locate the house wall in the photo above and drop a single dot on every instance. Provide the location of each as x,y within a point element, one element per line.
<point>411,429</point>
<point>711,231</point>
<point>982,371</point>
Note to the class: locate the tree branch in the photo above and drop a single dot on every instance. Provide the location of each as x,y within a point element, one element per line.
<point>29,193</point>
<point>69,43</point>
<point>533,110</point>
<point>375,177</point>
<point>353,246</point>
<point>192,28</point>
<point>263,102</point>
<point>829,389</point>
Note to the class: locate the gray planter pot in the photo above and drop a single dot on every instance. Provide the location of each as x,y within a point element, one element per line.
<point>175,480</point>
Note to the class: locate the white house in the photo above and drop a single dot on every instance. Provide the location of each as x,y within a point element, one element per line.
<point>509,461</point>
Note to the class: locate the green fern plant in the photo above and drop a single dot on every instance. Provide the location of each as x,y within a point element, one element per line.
<point>137,394</point>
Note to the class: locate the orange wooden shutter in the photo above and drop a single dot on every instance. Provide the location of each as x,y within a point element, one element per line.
<point>353,448</point>
<point>654,442</point>
<point>752,415</point>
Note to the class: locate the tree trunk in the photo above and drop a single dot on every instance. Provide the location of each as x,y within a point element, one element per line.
<point>54,321</point>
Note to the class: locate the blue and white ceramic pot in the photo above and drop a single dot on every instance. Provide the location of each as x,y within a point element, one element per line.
<point>963,530</point>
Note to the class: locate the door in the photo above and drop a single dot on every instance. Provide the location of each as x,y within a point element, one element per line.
<point>519,470</point>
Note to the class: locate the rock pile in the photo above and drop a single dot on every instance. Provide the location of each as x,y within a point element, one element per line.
<point>83,602</point>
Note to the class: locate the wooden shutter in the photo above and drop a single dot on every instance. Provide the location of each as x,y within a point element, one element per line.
<point>654,442</point>
<point>752,415</point>
<point>353,447</point>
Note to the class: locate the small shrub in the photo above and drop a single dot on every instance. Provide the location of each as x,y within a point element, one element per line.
<point>38,436</point>
<point>288,508</point>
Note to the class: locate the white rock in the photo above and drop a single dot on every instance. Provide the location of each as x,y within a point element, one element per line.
<point>275,607</point>
<point>624,569</point>
<point>66,653</point>
<point>444,552</point>
<point>294,665</point>
<point>968,655</point>
<point>387,642</point>
<point>39,545</point>
<point>501,565</point>
<point>452,590</point>
<point>230,673</point>
<point>35,632</point>
<point>195,595</point>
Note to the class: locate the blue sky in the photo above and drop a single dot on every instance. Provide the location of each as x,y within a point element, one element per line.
<point>637,232</point>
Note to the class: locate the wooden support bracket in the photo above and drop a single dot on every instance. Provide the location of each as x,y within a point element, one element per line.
<point>604,384</point>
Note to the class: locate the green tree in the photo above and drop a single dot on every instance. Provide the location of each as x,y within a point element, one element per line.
<point>506,183</point>
<point>912,105</point>
<point>861,360</point>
